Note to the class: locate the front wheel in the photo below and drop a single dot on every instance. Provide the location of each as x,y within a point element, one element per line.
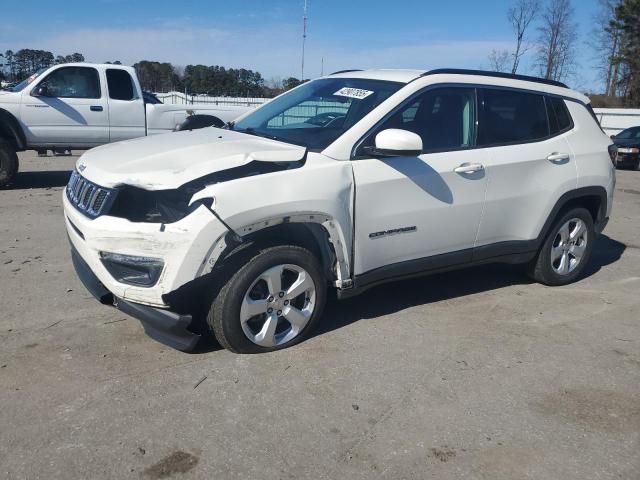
<point>566,250</point>
<point>272,302</point>
<point>8,164</point>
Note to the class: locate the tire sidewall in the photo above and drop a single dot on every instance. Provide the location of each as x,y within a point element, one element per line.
<point>226,308</point>
<point>550,275</point>
<point>8,164</point>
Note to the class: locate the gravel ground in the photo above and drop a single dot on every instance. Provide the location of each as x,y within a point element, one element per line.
<point>474,374</point>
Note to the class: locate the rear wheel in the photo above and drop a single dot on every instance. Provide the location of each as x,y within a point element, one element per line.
<point>566,250</point>
<point>272,302</point>
<point>8,164</point>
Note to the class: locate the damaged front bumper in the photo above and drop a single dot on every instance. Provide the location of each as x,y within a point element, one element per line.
<point>169,328</point>
<point>185,251</point>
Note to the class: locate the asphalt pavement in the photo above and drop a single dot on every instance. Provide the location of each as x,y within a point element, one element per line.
<point>475,374</point>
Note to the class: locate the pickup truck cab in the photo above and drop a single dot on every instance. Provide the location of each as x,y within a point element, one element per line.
<point>81,106</point>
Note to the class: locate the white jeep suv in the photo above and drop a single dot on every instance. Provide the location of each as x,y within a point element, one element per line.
<point>345,182</point>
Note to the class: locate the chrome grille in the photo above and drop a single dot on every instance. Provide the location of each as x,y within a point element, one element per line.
<point>89,198</point>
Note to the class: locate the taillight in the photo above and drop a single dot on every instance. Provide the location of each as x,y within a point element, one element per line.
<point>613,152</point>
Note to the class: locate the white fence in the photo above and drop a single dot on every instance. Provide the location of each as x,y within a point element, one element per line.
<point>614,120</point>
<point>179,98</point>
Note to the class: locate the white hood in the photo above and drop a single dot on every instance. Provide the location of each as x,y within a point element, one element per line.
<point>170,160</point>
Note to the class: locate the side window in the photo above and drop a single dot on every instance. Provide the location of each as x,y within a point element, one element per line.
<point>72,82</point>
<point>559,117</point>
<point>120,84</point>
<point>511,117</point>
<point>443,117</point>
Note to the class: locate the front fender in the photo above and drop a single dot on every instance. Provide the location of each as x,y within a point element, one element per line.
<point>320,192</point>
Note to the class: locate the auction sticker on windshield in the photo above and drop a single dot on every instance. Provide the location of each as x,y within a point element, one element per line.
<point>356,93</point>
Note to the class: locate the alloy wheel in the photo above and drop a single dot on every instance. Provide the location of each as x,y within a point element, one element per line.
<point>278,305</point>
<point>569,246</point>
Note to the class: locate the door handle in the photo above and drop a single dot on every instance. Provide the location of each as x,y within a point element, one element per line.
<point>469,168</point>
<point>556,157</point>
<point>96,108</point>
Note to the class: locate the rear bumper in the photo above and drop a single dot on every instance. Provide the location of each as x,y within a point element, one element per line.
<point>166,327</point>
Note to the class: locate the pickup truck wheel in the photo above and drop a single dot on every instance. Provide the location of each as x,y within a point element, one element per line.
<point>566,250</point>
<point>272,302</point>
<point>8,164</point>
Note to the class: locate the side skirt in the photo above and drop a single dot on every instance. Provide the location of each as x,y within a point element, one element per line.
<point>504,252</point>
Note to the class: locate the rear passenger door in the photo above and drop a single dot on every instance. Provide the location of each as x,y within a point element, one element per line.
<point>529,163</point>
<point>126,107</point>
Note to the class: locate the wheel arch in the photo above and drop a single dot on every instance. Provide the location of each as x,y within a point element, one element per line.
<point>593,198</point>
<point>317,232</point>
<point>11,130</point>
<point>198,121</point>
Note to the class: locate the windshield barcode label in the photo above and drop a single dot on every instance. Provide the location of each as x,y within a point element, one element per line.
<point>356,93</point>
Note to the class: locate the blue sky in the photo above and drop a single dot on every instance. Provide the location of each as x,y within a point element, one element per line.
<point>265,35</point>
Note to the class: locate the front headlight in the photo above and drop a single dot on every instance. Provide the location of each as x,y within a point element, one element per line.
<point>162,206</point>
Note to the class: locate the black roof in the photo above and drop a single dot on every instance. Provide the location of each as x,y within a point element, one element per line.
<point>484,73</point>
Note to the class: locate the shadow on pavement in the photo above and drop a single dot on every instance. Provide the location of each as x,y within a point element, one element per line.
<point>396,296</point>
<point>41,179</point>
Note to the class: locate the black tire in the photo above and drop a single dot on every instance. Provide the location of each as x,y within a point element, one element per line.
<point>224,313</point>
<point>8,164</point>
<point>542,269</point>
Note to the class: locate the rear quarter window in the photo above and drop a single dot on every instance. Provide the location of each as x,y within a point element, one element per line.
<point>120,85</point>
<point>508,116</point>
<point>559,116</point>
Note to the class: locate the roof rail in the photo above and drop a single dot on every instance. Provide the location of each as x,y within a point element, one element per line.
<point>346,71</point>
<point>485,73</point>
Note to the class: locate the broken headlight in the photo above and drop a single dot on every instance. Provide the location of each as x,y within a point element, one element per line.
<point>162,206</point>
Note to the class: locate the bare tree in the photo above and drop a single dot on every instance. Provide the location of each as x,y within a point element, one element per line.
<point>521,14</point>
<point>605,40</point>
<point>499,60</point>
<point>557,40</point>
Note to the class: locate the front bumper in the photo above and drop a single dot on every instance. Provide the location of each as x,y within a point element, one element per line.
<point>167,327</point>
<point>187,248</point>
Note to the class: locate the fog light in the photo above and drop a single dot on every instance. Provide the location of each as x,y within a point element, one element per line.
<point>131,269</point>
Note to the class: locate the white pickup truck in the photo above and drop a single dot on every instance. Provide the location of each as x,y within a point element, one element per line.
<point>82,105</point>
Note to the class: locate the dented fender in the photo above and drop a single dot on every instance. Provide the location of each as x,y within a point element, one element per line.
<point>321,193</point>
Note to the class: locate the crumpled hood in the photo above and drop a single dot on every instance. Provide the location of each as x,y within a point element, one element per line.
<point>167,161</point>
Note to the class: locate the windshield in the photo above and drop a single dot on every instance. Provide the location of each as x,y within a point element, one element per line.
<point>27,81</point>
<point>315,114</point>
<point>629,134</point>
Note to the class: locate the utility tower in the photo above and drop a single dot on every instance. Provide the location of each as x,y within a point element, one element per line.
<point>304,33</point>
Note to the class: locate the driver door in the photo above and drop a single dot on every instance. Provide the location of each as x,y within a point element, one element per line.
<point>420,212</point>
<point>66,108</point>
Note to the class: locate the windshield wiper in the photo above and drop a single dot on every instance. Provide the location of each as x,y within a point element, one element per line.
<point>253,131</point>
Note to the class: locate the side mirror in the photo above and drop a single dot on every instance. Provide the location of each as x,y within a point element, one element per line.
<point>397,143</point>
<point>613,137</point>
<point>41,90</point>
